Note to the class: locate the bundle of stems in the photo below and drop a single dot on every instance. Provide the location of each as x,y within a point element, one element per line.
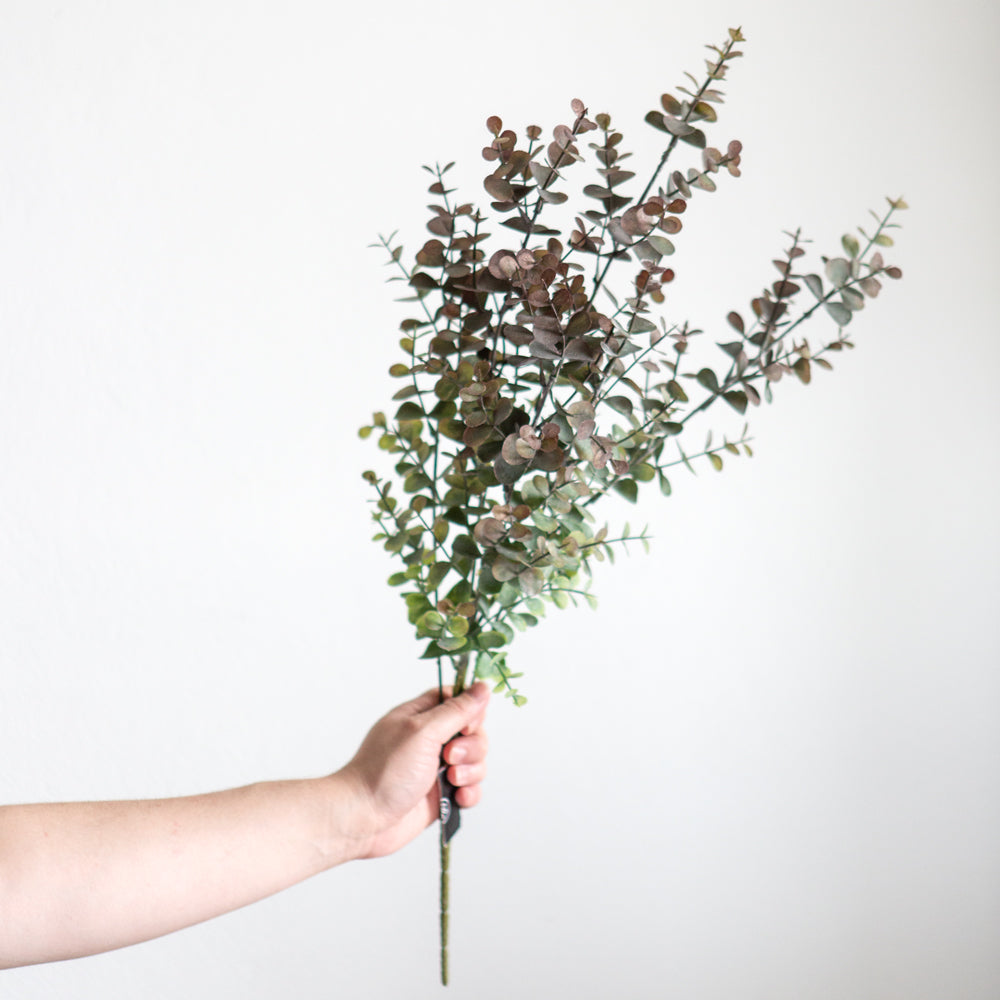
<point>530,390</point>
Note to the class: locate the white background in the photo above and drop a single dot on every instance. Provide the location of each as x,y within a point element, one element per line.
<point>769,765</point>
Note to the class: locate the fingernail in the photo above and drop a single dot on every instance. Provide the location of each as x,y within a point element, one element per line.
<point>457,755</point>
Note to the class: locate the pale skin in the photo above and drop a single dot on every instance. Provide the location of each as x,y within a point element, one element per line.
<point>86,877</point>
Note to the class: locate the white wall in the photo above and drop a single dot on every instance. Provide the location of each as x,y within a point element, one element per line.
<point>768,766</point>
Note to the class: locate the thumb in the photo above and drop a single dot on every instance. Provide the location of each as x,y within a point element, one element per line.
<point>443,721</point>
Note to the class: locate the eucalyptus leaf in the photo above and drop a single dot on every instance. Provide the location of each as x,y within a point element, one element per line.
<point>410,411</point>
<point>490,640</point>
<point>815,284</point>
<point>708,379</point>
<point>839,313</point>
<point>628,489</point>
<point>838,270</point>
<point>620,404</point>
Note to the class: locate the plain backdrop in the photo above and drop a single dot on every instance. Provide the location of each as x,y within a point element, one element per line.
<point>769,765</point>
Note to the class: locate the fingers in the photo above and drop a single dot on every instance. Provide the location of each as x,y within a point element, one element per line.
<point>466,756</point>
<point>431,698</point>
<point>457,714</point>
<point>461,775</point>
<point>425,701</point>
<point>469,796</point>
<point>467,749</point>
<point>476,724</point>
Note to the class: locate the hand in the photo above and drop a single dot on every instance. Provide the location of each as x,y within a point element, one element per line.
<point>395,770</point>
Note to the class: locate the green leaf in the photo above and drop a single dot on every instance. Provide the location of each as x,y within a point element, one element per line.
<point>620,404</point>
<point>445,389</point>
<point>543,521</point>
<point>504,570</point>
<point>486,666</point>
<point>737,400</point>
<point>417,604</point>
<point>708,379</point>
<point>884,240</point>
<point>436,574</point>
<point>465,546</point>
<point>628,489</point>
<point>490,640</point>
<point>665,488</point>
<point>662,246</point>
<point>639,324</point>
<point>716,460</point>
<point>395,543</point>
<point>417,481</point>
<point>457,625</point>
<point>815,284</point>
<point>676,391</point>
<point>423,281</point>
<point>840,314</point>
<point>838,270</point>
<point>410,411</point>
<point>803,370</point>
<point>850,245</point>
<point>706,111</point>
<point>852,298</point>
<point>522,622</point>
<point>430,623</point>
<point>460,593</point>
<point>656,119</point>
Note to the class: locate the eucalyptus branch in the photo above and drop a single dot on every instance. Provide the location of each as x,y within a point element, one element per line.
<point>523,405</point>
<point>685,118</point>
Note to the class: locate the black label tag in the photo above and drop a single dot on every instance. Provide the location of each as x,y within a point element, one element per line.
<point>448,811</point>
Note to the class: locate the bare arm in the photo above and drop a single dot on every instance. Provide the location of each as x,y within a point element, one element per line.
<point>81,878</point>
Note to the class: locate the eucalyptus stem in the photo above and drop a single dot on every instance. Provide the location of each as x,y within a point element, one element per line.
<point>461,669</point>
<point>445,860</point>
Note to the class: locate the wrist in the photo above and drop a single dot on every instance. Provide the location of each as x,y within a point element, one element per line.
<point>347,820</point>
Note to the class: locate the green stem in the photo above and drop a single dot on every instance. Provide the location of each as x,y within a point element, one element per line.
<point>461,669</point>
<point>445,858</point>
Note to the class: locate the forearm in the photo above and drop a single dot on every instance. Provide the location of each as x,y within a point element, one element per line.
<point>80,878</point>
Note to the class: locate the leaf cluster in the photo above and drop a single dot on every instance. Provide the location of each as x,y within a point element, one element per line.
<point>523,399</point>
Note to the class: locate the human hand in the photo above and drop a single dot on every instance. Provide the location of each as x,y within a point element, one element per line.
<point>394,772</point>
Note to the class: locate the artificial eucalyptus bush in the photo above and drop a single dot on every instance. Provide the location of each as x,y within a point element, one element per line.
<point>538,372</point>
